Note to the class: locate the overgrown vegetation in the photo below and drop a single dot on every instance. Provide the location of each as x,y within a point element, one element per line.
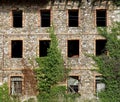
<point>57,94</point>
<point>4,94</point>
<point>51,68</point>
<point>51,71</point>
<point>109,65</point>
<point>116,2</point>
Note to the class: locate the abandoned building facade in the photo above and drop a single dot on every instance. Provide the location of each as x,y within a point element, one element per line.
<point>24,36</point>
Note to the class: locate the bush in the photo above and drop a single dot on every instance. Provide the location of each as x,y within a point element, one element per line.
<point>58,94</point>
<point>4,94</point>
<point>55,93</point>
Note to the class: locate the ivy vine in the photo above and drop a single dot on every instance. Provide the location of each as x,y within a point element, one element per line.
<point>109,65</point>
<point>51,68</point>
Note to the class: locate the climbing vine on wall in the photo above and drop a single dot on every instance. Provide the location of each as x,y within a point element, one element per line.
<point>109,65</point>
<point>51,68</point>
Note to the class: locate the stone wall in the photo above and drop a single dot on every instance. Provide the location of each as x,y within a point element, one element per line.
<point>31,33</point>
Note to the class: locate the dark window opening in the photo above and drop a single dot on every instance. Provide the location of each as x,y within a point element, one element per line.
<point>101,18</point>
<point>17,18</point>
<point>73,83</point>
<point>16,85</point>
<point>100,47</point>
<point>16,49</point>
<point>73,48</point>
<point>60,1</point>
<point>43,46</point>
<point>73,18</point>
<point>45,18</point>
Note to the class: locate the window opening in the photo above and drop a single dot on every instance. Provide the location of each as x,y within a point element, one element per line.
<point>100,47</point>
<point>17,18</point>
<point>16,85</point>
<point>99,85</point>
<point>43,46</point>
<point>73,18</point>
<point>73,48</point>
<point>16,49</point>
<point>73,82</point>
<point>59,1</point>
<point>101,18</point>
<point>45,18</point>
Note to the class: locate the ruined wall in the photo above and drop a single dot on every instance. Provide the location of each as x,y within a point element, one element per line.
<point>31,33</point>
